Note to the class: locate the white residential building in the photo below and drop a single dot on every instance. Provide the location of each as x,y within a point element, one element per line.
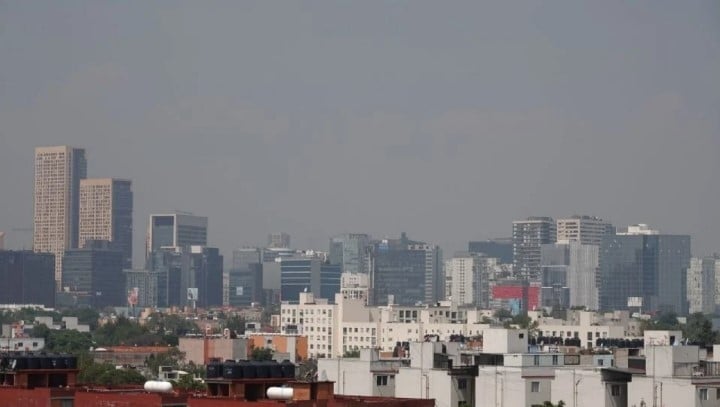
<point>701,285</point>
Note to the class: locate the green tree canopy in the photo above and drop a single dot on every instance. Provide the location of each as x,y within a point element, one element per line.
<point>261,354</point>
<point>699,329</point>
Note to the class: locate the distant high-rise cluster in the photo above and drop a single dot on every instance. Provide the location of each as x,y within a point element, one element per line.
<point>84,227</point>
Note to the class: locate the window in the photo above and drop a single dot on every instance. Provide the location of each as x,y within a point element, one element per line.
<point>534,387</point>
<point>462,384</point>
<point>703,394</point>
<point>717,394</point>
<point>615,390</point>
<point>601,362</point>
<point>381,380</point>
<point>536,360</point>
<point>555,360</point>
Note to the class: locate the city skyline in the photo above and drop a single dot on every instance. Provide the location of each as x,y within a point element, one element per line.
<point>346,120</point>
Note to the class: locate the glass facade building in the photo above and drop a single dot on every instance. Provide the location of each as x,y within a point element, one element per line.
<point>27,278</point>
<point>96,270</point>
<point>652,267</point>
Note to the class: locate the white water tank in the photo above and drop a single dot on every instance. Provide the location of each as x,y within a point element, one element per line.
<point>280,393</point>
<point>156,386</point>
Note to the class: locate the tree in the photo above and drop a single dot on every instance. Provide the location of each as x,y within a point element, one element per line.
<point>105,374</point>
<point>502,314</point>
<point>235,324</point>
<point>173,357</point>
<point>68,341</point>
<point>352,353</point>
<point>126,332</point>
<point>261,354</point>
<point>188,383</point>
<point>698,329</point>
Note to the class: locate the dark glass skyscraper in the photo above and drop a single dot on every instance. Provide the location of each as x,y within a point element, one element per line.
<point>96,271</point>
<point>651,266</point>
<point>27,278</point>
<point>408,270</point>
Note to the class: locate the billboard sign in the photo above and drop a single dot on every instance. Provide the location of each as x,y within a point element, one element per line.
<point>635,302</point>
<point>192,294</point>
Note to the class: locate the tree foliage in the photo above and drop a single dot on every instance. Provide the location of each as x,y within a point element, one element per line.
<point>352,353</point>
<point>126,332</point>
<point>105,374</point>
<point>261,354</point>
<point>235,324</point>
<point>173,357</point>
<point>698,329</point>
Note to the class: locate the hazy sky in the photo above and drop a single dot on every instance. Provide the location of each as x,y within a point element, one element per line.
<point>446,120</point>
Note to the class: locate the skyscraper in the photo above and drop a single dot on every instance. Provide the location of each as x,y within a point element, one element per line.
<point>572,265</point>
<point>701,284</point>
<point>27,278</point>
<point>95,271</point>
<point>652,267</point>
<point>106,207</point>
<point>175,230</point>
<point>408,270</point>
<point>501,249</point>
<point>583,229</point>
<point>279,240</point>
<point>58,171</point>
<point>527,237</point>
<point>469,275</point>
<point>350,251</point>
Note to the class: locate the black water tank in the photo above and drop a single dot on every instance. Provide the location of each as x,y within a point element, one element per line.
<point>18,362</point>
<point>70,362</point>
<point>58,362</point>
<point>33,361</point>
<point>288,369</point>
<point>46,361</point>
<point>232,370</point>
<point>214,370</point>
<point>249,370</point>
<point>276,371</point>
<point>263,370</point>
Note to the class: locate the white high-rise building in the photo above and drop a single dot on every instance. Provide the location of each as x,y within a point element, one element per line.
<point>469,276</point>
<point>106,207</point>
<point>58,171</point>
<point>701,285</point>
<point>583,229</point>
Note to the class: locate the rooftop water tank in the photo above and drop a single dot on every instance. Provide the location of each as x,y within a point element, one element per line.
<point>280,393</point>
<point>155,386</point>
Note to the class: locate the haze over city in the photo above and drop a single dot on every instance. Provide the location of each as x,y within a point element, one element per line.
<point>443,120</point>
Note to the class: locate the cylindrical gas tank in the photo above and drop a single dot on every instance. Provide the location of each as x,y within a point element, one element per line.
<point>280,393</point>
<point>155,386</point>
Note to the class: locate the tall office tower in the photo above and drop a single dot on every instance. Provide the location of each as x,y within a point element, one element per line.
<point>350,251</point>
<point>58,171</point>
<point>570,266</point>
<point>583,229</point>
<point>408,270</point>
<point>206,264</point>
<point>106,207</point>
<point>527,237</point>
<point>648,267</point>
<point>95,272</point>
<point>299,274</point>
<point>246,256</point>
<point>194,276</point>
<point>176,230</point>
<point>246,285</point>
<point>469,277</point>
<point>701,285</point>
<point>146,288</point>
<point>27,278</point>
<point>501,249</point>
<point>279,240</point>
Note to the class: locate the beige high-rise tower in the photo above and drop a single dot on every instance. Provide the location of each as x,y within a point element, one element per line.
<point>106,206</point>
<point>58,171</point>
